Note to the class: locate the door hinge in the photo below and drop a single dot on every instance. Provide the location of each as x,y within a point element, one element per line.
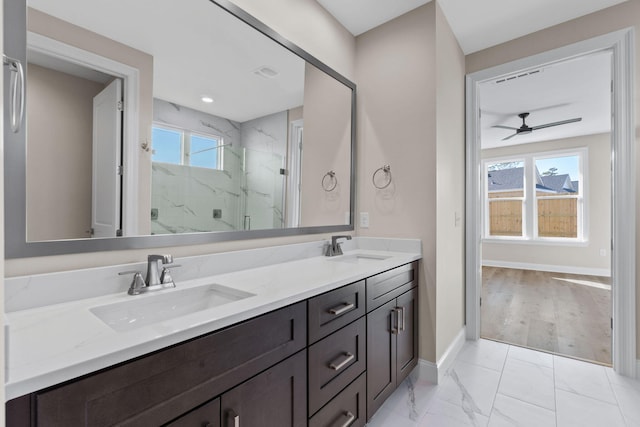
<point>612,323</point>
<point>120,170</point>
<point>120,106</point>
<point>480,301</point>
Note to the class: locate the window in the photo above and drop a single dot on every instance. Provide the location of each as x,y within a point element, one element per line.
<point>203,151</point>
<point>558,198</point>
<point>182,147</point>
<point>167,145</point>
<point>538,196</point>
<point>505,197</point>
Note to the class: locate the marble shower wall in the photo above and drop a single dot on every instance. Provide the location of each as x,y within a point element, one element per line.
<point>265,143</point>
<point>190,199</point>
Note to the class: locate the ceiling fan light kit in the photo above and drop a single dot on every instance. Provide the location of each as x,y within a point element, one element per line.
<point>525,130</point>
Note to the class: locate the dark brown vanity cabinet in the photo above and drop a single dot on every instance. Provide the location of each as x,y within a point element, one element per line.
<point>162,387</point>
<point>331,360</point>
<point>392,332</point>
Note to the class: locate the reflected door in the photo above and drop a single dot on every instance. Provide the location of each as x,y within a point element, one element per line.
<point>107,148</point>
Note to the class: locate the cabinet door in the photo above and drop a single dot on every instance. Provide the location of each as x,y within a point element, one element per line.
<point>381,356</point>
<point>276,397</point>
<point>407,351</point>
<point>207,415</point>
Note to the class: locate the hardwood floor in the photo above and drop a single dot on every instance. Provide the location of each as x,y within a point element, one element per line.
<point>560,313</point>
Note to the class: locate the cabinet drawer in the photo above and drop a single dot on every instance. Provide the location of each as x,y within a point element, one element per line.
<point>383,287</point>
<point>336,361</point>
<point>208,415</point>
<point>156,388</point>
<point>333,310</point>
<point>346,409</point>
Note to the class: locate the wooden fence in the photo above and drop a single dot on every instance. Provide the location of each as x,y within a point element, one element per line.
<point>556,217</point>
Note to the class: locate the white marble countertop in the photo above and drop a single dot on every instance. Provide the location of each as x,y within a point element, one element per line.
<point>54,343</point>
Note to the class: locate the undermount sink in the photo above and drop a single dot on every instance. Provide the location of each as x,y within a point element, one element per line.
<point>359,258</point>
<point>165,305</point>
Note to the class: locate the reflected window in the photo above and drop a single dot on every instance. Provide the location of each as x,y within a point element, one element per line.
<point>204,151</point>
<point>182,147</point>
<point>167,145</point>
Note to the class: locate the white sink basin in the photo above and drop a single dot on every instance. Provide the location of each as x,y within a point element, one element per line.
<point>152,308</point>
<point>359,258</point>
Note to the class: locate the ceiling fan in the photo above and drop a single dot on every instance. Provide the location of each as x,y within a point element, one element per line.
<point>524,129</point>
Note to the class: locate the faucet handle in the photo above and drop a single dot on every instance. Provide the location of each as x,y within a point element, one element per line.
<point>137,284</point>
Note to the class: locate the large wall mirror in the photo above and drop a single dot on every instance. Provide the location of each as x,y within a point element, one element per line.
<point>159,123</point>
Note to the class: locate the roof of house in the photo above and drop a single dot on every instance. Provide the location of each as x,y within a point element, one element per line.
<point>513,179</point>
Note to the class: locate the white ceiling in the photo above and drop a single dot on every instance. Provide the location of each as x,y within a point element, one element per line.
<point>579,87</point>
<point>359,16</point>
<point>195,45</point>
<point>476,24</point>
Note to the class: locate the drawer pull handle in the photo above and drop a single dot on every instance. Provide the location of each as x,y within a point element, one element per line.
<point>401,316</point>
<point>337,311</point>
<point>395,321</point>
<point>235,418</point>
<point>350,419</point>
<point>348,357</point>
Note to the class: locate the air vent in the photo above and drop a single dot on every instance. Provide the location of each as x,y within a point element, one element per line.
<point>519,76</point>
<point>266,72</point>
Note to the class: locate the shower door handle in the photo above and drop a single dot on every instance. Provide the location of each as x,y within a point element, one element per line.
<point>16,92</point>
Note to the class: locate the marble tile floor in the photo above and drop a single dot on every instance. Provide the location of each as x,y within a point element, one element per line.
<point>495,384</point>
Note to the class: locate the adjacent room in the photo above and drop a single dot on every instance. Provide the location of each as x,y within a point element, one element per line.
<point>546,164</point>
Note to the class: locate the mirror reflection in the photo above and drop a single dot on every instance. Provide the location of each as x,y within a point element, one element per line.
<point>179,119</point>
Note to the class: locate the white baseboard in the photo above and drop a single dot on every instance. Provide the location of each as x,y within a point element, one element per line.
<point>434,372</point>
<point>603,272</point>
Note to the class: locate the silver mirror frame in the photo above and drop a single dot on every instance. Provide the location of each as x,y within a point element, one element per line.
<point>16,244</point>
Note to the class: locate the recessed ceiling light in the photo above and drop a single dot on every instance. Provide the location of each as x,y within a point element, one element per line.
<point>207,99</point>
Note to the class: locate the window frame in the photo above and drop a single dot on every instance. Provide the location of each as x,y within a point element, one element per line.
<point>530,232</point>
<point>185,145</point>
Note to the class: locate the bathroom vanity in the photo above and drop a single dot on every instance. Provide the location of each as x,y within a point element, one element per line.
<point>325,342</point>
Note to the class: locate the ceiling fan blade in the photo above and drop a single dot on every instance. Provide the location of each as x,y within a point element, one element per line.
<point>563,122</point>
<point>509,137</point>
<point>504,127</point>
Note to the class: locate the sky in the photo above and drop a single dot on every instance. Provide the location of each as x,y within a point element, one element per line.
<point>568,165</point>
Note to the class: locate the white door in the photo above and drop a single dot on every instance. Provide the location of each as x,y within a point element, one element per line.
<point>107,148</point>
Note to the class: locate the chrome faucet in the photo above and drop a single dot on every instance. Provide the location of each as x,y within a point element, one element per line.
<point>154,263</point>
<point>158,277</point>
<point>334,247</point>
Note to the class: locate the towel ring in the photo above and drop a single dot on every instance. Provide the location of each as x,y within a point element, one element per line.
<point>326,184</point>
<point>387,171</point>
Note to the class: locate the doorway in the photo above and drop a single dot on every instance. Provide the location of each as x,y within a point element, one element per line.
<point>546,191</point>
<point>620,46</point>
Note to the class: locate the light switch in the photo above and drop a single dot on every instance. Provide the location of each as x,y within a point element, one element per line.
<point>364,219</point>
